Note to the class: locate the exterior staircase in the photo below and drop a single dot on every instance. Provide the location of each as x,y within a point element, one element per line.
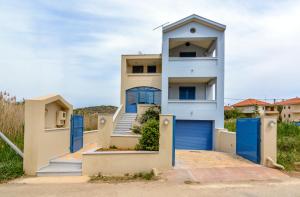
<point>61,168</point>
<point>125,123</point>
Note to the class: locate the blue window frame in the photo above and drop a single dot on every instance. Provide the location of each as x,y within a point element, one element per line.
<point>187,93</point>
<point>141,95</point>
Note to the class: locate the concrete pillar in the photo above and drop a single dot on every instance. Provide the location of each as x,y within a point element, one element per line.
<point>268,139</point>
<point>105,127</point>
<point>166,140</point>
<point>43,138</point>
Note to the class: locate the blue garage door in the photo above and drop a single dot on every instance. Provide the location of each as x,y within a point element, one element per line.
<point>193,135</point>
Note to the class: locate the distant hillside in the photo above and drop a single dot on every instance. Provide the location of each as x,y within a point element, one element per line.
<point>96,109</point>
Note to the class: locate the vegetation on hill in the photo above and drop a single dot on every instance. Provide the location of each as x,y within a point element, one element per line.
<point>90,115</point>
<point>12,125</point>
<point>96,109</point>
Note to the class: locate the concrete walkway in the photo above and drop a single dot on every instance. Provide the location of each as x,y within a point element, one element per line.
<point>211,167</point>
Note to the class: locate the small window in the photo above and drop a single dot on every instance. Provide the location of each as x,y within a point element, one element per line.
<point>284,107</point>
<point>283,115</point>
<point>151,69</point>
<point>193,30</point>
<point>289,107</point>
<point>289,115</point>
<point>187,54</point>
<point>187,93</point>
<point>137,69</point>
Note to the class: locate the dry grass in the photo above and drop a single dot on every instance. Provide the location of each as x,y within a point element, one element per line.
<point>12,125</point>
<point>12,118</point>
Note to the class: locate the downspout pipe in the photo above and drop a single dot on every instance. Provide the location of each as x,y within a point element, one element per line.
<point>12,145</point>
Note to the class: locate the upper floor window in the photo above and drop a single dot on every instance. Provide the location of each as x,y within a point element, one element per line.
<point>151,69</point>
<point>137,69</point>
<point>187,54</point>
<point>289,107</point>
<point>187,93</point>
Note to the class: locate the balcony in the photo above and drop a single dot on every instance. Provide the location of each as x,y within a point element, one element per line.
<point>143,72</point>
<point>192,90</point>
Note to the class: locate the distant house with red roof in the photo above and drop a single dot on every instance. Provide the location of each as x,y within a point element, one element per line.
<point>250,107</point>
<point>290,109</point>
<point>228,108</point>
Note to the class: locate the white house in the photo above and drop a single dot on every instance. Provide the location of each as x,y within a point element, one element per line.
<point>187,80</point>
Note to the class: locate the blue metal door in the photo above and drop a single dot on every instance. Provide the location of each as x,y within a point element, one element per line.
<point>76,133</point>
<point>193,134</point>
<point>248,138</point>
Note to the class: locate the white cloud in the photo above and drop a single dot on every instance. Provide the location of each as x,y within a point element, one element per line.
<point>74,47</point>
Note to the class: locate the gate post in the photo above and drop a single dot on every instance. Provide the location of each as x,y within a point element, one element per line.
<point>47,131</point>
<point>268,139</point>
<point>105,127</point>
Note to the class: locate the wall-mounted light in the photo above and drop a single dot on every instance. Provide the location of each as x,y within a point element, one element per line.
<point>166,121</point>
<point>102,120</point>
<point>272,123</point>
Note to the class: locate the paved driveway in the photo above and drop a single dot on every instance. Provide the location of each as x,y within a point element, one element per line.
<point>210,166</point>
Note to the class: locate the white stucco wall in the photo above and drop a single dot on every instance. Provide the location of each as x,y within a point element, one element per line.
<point>194,67</point>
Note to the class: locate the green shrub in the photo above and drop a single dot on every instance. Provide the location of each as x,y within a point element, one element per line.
<point>233,114</point>
<point>151,113</point>
<point>150,136</point>
<point>288,144</point>
<point>230,125</point>
<point>136,129</point>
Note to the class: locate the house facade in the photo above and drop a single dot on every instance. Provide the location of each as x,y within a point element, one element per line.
<point>290,110</point>
<point>186,80</point>
<point>252,107</point>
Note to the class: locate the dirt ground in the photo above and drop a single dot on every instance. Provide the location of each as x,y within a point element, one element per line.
<point>151,189</point>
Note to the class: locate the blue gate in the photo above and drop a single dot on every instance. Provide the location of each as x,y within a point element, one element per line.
<point>248,138</point>
<point>76,133</point>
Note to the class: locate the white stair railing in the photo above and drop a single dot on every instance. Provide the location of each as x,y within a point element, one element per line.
<point>12,145</point>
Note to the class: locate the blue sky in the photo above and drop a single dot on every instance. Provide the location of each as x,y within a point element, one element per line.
<point>73,47</point>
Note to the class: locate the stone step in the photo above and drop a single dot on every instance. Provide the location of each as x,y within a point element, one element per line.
<point>58,167</point>
<point>71,164</point>
<point>125,121</point>
<point>124,125</point>
<point>122,129</point>
<point>55,171</point>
